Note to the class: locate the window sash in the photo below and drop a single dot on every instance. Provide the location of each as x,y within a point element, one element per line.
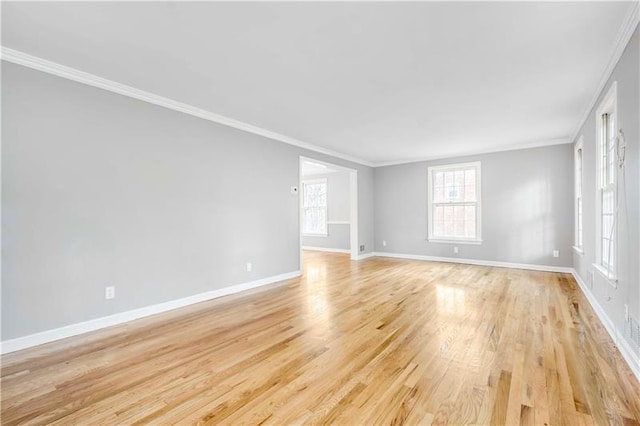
<point>454,202</point>
<point>314,207</point>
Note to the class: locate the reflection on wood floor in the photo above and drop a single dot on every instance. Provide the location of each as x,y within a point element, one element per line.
<point>379,341</point>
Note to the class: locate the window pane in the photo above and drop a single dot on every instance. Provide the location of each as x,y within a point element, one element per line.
<point>452,191</point>
<point>459,228</point>
<point>448,229</point>
<point>470,193</point>
<point>448,178</point>
<point>470,177</point>
<point>470,228</point>
<point>459,178</point>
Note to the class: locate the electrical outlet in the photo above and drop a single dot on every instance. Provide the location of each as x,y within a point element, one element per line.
<point>455,250</point>
<point>592,278</point>
<point>626,313</point>
<point>249,267</point>
<point>109,292</point>
<point>361,247</point>
<point>556,253</point>
<point>384,243</point>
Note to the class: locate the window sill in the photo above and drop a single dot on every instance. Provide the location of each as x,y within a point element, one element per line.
<point>578,250</point>
<point>453,241</point>
<point>610,278</point>
<point>315,235</point>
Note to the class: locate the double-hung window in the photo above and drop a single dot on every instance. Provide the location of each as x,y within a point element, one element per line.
<point>314,207</point>
<point>454,213</point>
<point>606,194</point>
<point>578,159</point>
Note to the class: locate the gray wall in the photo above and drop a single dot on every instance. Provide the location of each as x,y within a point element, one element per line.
<point>99,189</point>
<point>626,73</point>
<point>338,209</point>
<point>527,207</point>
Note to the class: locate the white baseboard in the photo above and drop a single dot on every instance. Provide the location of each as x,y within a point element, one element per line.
<point>629,355</point>
<point>561,269</point>
<point>122,317</point>
<point>365,256</point>
<point>329,250</point>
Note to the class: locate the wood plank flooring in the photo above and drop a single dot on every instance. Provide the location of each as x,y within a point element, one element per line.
<point>381,341</point>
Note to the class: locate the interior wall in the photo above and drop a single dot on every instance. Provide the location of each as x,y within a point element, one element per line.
<point>612,300</point>
<point>338,210</point>
<point>527,207</point>
<point>99,189</point>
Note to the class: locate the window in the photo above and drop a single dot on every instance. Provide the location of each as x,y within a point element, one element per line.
<point>606,181</point>
<point>578,159</point>
<point>454,203</point>
<point>314,207</point>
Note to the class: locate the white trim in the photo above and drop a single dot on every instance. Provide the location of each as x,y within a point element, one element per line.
<point>36,63</point>
<point>578,250</point>
<point>477,165</point>
<point>122,317</point>
<point>453,241</point>
<point>325,249</point>
<point>364,256</point>
<point>503,148</point>
<point>610,278</point>
<point>628,354</point>
<point>532,267</point>
<point>338,222</point>
<point>624,35</point>
<point>579,147</point>
<point>609,102</point>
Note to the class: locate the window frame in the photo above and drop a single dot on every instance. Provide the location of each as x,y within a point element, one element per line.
<point>315,181</point>
<point>608,105</point>
<point>578,197</point>
<point>478,203</point>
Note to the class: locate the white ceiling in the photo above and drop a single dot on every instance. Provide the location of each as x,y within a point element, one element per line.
<point>383,82</point>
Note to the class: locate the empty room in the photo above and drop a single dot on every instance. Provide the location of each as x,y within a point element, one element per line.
<point>349,213</point>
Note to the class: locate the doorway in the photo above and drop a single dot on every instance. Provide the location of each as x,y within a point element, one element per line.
<point>328,208</point>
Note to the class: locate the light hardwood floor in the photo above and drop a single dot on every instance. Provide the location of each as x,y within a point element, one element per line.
<point>381,341</point>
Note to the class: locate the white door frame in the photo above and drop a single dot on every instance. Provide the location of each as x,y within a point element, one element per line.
<point>353,204</point>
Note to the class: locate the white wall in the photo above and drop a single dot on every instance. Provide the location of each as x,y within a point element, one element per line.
<point>527,209</point>
<point>338,210</point>
<point>612,300</point>
<point>99,189</point>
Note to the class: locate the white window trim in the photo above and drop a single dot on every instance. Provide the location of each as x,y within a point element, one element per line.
<point>609,101</point>
<point>578,248</point>
<point>326,225</point>
<point>453,240</point>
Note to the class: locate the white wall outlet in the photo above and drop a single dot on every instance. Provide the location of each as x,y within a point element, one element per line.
<point>556,253</point>
<point>626,313</point>
<point>592,278</point>
<point>109,292</point>
<point>249,267</point>
<point>384,243</point>
<point>455,250</point>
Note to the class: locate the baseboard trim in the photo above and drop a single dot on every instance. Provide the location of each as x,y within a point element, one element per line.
<point>628,354</point>
<point>365,256</point>
<point>325,249</point>
<point>122,317</point>
<point>527,266</point>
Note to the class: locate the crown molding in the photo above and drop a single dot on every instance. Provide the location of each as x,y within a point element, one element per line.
<point>527,145</point>
<point>624,35</point>
<point>34,62</point>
